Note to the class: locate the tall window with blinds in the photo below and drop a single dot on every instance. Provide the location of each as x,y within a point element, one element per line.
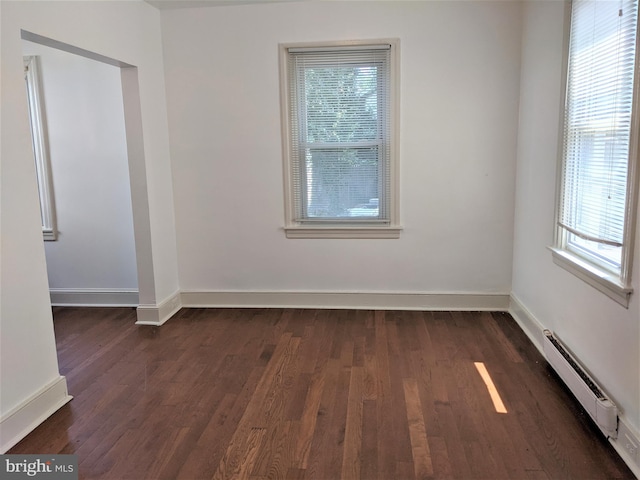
<point>338,104</point>
<point>595,211</point>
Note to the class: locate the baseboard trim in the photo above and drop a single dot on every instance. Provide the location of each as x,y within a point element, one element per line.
<point>21,420</point>
<point>93,297</point>
<point>626,435</point>
<point>156,315</point>
<point>348,300</point>
<point>529,324</point>
<point>533,328</point>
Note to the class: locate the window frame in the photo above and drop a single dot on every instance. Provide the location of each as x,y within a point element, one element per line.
<point>595,273</point>
<point>344,228</point>
<point>40,146</point>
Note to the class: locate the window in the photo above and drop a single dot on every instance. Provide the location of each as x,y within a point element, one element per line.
<point>39,143</point>
<point>340,143</point>
<point>596,209</point>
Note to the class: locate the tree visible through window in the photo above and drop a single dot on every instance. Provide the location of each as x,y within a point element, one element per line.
<point>339,105</point>
<point>342,106</point>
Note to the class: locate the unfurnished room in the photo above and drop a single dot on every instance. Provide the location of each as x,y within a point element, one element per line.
<point>319,239</point>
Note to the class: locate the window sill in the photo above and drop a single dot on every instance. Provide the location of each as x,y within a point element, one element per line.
<point>602,280</point>
<point>342,232</point>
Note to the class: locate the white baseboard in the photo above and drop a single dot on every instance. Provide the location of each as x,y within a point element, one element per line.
<point>348,300</point>
<point>627,438</point>
<point>527,322</point>
<point>93,297</point>
<point>628,445</point>
<point>158,314</point>
<point>18,422</point>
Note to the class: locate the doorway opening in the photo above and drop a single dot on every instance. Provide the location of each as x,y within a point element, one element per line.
<point>98,253</point>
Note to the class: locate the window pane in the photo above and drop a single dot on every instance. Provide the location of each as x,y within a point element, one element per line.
<point>597,184</point>
<point>607,256</point>
<point>598,119</point>
<point>339,112</point>
<point>342,182</point>
<point>341,103</point>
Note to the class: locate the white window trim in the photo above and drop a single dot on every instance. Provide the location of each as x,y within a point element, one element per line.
<point>617,287</point>
<point>294,229</point>
<point>598,278</point>
<point>40,147</point>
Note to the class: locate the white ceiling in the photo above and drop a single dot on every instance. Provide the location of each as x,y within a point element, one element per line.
<point>168,4</point>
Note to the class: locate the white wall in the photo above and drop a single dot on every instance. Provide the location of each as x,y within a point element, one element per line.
<point>601,333</point>
<point>459,104</point>
<point>461,133</point>
<point>126,31</point>
<point>95,247</point>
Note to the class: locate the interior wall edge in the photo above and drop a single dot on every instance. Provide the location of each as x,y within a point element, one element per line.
<point>21,420</point>
<point>158,314</point>
<point>529,324</point>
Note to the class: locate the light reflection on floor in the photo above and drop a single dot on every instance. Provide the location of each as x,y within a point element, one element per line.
<point>493,392</point>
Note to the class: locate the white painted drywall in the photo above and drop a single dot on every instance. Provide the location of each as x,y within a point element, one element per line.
<point>128,32</point>
<point>95,247</point>
<point>601,333</point>
<point>460,66</point>
<point>125,31</point>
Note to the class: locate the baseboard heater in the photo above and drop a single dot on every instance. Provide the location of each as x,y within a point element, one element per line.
<point>602,410</point>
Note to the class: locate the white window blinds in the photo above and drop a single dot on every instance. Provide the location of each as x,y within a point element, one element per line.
<point>340,133</point>
<point>598,110</point>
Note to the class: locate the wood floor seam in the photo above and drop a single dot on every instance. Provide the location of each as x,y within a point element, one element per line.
<point>306,394</point>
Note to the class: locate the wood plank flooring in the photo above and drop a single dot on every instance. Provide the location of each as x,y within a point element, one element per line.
<point>313,394</point>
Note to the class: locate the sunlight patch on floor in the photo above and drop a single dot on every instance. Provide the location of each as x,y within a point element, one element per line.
<point>493,391</point>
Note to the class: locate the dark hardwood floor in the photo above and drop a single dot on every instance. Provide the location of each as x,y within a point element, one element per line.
<point>313,394</point>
